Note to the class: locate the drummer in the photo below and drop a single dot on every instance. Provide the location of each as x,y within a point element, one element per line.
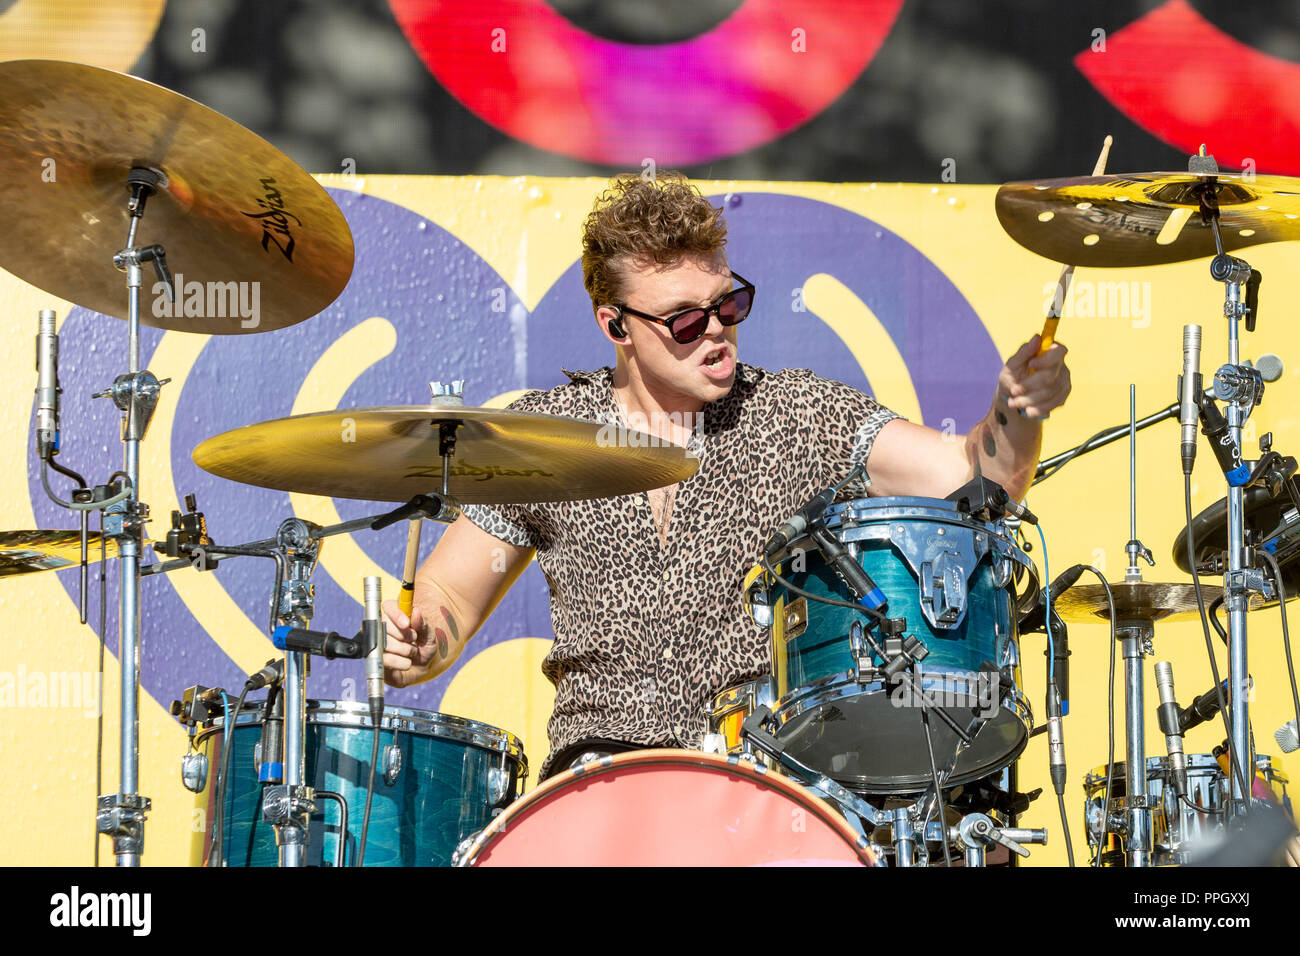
<point>645,589</point>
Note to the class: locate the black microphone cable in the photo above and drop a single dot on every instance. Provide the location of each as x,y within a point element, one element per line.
<point>1286,634</point>
<point>1110,726</point>
<point>360,858</point>
<point>223,769</point>
<point>938,794</point>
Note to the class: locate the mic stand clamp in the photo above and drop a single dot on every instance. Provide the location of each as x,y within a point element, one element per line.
<point>122,817</point>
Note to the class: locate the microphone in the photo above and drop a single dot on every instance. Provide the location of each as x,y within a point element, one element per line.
<point>47,386</point>
<point>1202,708</point>
<point>272,673</point>
<point>322,643</point>
<point>799,523</point>
<point>372,630</point>
<point>1036,619</point>
<point>1189,387</point>
<point>1226,451</point>
<point>859,583</point>
<point>1287,737</point>
<point>1065,580</point>
<point>271,768</point>
<point>1170,726</point>
<point>1269,367</point>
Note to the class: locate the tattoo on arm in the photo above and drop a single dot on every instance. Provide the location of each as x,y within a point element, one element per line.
<point>990,447</point>
<point>451,623</point>
<point>1002,419</point>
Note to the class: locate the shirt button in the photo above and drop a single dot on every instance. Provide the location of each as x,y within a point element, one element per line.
<point>668,653</point>
<point>667,574</point>
<point>678,730</point>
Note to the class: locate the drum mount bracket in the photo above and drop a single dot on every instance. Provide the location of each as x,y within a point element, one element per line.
<point>289,809</point>
<point>122,816</point>
<point>900,652</point>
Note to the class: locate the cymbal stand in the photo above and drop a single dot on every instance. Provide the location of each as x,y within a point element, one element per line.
<point>1241,388</point>
<point>288,806</point>
<point>122,815</point>
<point>1136,636</point>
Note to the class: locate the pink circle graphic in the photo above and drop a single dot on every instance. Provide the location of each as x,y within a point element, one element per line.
<point>768,68</point>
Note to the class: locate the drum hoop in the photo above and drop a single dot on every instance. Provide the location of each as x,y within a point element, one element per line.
<point>549,790</point>
<point>842,685</point>
<point>868,519</point>
<point>1196,763</point>
<point>427,723</point>
<point>738,696</point>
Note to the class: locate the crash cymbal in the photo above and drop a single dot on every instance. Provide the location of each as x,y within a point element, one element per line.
<point>1143,219</point>
<point>392,454</point>
<point>253,241</point>
<point>24,552</point>
<point>1274,519</point>
<point>1136,601</point>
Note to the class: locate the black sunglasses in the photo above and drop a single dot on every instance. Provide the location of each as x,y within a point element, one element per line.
<point>688,325</point>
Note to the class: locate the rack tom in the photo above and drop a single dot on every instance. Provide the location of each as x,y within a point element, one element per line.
<point>962,586</point>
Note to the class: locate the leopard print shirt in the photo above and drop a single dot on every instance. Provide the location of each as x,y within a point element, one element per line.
<point>645,635</point>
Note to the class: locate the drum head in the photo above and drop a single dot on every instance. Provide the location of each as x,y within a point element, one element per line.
<point>826,731</point>
<point>668,808</point>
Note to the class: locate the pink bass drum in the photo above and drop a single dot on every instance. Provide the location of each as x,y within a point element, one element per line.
<point>668,808</point>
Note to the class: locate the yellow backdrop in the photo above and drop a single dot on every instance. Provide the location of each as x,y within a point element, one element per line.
<point>527,229</point>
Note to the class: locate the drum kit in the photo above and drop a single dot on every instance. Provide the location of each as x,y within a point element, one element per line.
<point>889,729</point>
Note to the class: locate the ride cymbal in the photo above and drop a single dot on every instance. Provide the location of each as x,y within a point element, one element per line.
<point>393,454</point>
<point>253,241</point>
<point>1143,219</point>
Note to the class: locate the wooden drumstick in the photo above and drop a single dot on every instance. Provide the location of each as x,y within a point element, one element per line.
<point>406,600</point>
<point>1063,283</point>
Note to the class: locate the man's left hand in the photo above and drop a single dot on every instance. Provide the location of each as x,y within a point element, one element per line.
<point>1033,384</point>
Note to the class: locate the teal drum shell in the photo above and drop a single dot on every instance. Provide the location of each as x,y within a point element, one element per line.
<point>440,780</point>
<point>962,586</point>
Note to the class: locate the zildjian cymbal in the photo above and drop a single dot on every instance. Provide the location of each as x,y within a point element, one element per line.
<point>1143,219</point>
<point>24,552</point>
<point>253,241</point>
<point>1134,601</point>
<point>393,454</point>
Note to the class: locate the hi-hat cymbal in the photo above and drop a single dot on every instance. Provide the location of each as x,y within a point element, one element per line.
<point>1143,219</point>
<point>392,454</point>
<point>236,216</point>
<point>24,552</point>
<point>1148,601</point>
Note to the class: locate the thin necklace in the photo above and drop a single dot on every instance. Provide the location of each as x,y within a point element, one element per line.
<point>666,515</point>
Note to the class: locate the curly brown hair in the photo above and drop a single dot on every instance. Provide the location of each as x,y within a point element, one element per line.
<point>639,220</point>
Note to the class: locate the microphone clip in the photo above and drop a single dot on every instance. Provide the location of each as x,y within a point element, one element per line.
<point>987,501</point>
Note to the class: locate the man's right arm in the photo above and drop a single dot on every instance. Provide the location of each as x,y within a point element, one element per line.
<point>456,588</point>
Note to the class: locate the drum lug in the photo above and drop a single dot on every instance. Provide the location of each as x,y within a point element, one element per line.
<point>392,764</point>
<point>194,771</point>
<point>943,589</point>
<point>498,786</point>
<point>1002,567</point>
